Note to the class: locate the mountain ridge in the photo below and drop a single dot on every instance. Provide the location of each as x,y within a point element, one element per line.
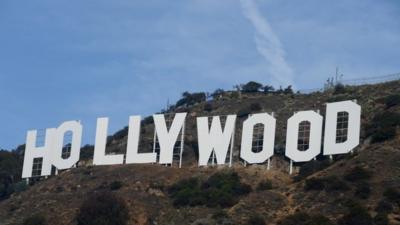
<point>317,188</point>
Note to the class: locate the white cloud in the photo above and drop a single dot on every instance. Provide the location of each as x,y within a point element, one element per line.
<point>268,44</point>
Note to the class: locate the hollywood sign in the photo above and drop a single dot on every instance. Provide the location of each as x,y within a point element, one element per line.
<point>214,141</point>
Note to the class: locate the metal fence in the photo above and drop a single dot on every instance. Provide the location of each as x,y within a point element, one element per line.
<point>356,82</point>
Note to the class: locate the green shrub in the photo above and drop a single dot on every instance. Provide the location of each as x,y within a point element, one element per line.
<point>218,93</point>
<point>20,186</point>
<point>357,215</point>
<point>256,220</point>
<point>381,219</point>
<point>330,184</point>
<point>288,90</point>
<point>334,183</point>
<point>268,89</point>
<point>116,185</point>
<point>243,112</point>
<point>187,192</point>
<point>384,206</point>
<point>314,184</point>
<point>189,99</point>
<point>357,174</point>
<point>302,218</point>
<point>251,87</point>
<point>10,171</point>
<point>312,167</point>
<point>221,217</point>
<point>383,134</point>
<point>392,195</point>
<point>36,219</point>
<point>255,107</point>
<point>87,152</point>
<point>208,107</point>
<point>383,126</point>
<point>392,100</point>
<point>221,189</point>
<point>148,120</point>
<point>121,134</point>
<point>103,209</point>
<point>339,89</point>
<point>363,190</point>
<point>264,185</point>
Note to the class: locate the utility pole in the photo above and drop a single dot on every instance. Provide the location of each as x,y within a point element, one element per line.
<point>337,74</point>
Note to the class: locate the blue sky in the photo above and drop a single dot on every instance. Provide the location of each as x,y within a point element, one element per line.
<point>79,60</point>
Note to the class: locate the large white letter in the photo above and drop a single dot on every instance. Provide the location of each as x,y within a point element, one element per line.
<point>132,154</point>
<point>167,139</point>
<point>100,157</point>
<point>214,139</point>
<point>76,129</point>
<point>292,151</point>
<point>31,152</point>
<point>353,110</point>
<point>246,152</point>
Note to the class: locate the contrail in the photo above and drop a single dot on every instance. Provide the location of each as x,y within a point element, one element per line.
<point>268,44</point>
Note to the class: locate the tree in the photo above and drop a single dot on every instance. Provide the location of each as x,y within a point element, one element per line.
<point>218,93</point>
<point>189,99</point>
<point>268,88</point>
<point>288,90</point>
<point>251,86</point>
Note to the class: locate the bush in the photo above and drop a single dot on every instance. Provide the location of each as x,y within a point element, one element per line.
<point>314,184</point>
<point>357,174</point>
<point>334,183</point>
<point>251,87</point>
<point>189,99</point>
<point>312,167</point>
<point>302,218</point>
<point>221,217</point>
<point>383,134</point>
<point>363,190</point>
<point>383,126</point>
<point>381,219</point>
<point>392,100</point>
<point>103,209</point>
<point>208,107</point>
<point>256,220</point>
<point>36,219</point>
<point>331,183</point>
<point>357,215</point>
<point>116,185</point>
<point>218,93</point>
<point>268,89</point>
<point>264,185</point>
<point>339,89</point>
<point>148,120</point>
<point>221,189</point>
<point>187,192</point>
<point>244,112</point>
<point>288,90</point>
<point>384,206</point>
<point>20,186</point>
<point>121,133</point>
<point>10,172</point>
<point>255,107</point>
<point>392,195</point>
<point>87,152</point>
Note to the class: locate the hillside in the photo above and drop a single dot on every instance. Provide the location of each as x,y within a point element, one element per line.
<point>359,188</point>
